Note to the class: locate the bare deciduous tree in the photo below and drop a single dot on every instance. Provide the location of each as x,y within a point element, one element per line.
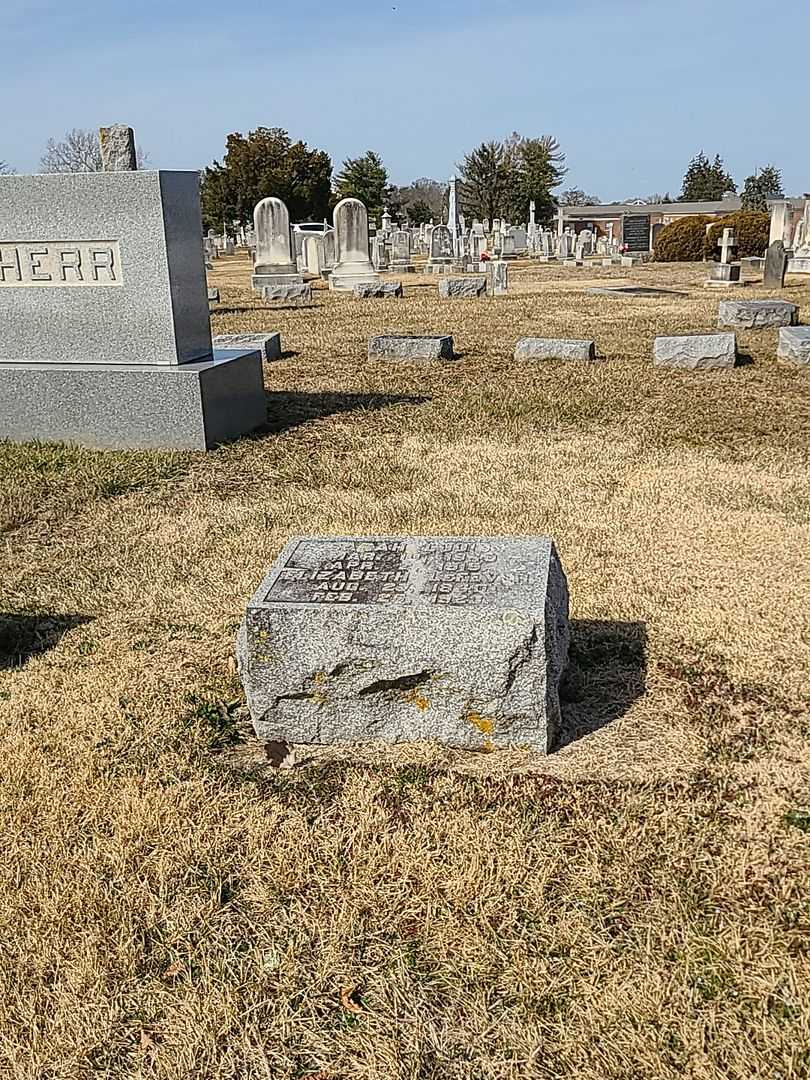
<point>5,168</point>
<point>79,151</point>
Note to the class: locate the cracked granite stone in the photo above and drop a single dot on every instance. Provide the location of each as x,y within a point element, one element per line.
<point>554,349</point>
<point>463,640</point>
<point>794,344</point>
<point>757,314</point>
<point>465,288</point>
<point>411,347</point>
<point>118,153</point>
<point>696,352</point>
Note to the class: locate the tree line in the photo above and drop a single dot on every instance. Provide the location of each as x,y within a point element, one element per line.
<point>499,178</point>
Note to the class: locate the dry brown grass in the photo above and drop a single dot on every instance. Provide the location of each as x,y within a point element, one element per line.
<point>633,906</point>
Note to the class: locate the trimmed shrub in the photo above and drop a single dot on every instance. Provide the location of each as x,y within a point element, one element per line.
<point>751,227</point>
<point>683,240</point>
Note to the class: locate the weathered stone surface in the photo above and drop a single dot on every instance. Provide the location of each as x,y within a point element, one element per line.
<point>213,296</point>
<point>379,289</point>
<point>269,345</point>
<point>775,266</point>
<point>351,238</point>
<point>794,344</point>
<point>461,288</point>
<point>459,639</point>
<point>553,349</point>
<point>118,153</point>
<point>300,293</point>
<point>274,262</point>
<point>411,347</point>
<point>696,351</point>
<point>102,268</point>
<point>757,314</point>
<point>499,277</point>
<point>174,407</point>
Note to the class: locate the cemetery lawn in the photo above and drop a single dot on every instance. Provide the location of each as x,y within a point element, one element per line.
<point>634,905</point>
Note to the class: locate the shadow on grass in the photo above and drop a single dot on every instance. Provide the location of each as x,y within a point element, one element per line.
<point>607,672</point>
<point>264,308</point>
<point>290,410</point>
<point>24,636</point>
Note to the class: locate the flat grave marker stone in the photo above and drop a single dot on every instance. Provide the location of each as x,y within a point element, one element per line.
<point>459,639</point>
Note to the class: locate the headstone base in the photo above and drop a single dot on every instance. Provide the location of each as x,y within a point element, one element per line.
<point>118,407</point>
<point>346,282</point>
<point>799,266</point>
<point>263,281</point>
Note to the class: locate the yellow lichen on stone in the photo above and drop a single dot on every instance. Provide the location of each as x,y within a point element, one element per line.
<point>413,697</point>
<point>484,724</point>
<point>319,678</point>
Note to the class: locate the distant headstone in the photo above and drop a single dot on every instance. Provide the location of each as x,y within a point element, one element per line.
<point>775,266</point>
<point>105,333</point>
<point>463,640</point>
<point>442,251</point>
<point>118,153</point>
<point>273,263</point>
<point>353,265</point>
<point>499,277</point>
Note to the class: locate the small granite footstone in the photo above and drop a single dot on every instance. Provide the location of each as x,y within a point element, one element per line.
<point>269,345</point>
<point>213,296</point>
<point>461,288</point>
<point>368,290</point>
<point>696,352</point>
<point>757,314</point>
<point>794,344</point>
<point>554,349</point>
<point>410,347</point>
<point>298,293</point>
<point>459,639</point>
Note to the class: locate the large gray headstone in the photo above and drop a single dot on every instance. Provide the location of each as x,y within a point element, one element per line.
<point>102,268</point>
<point>459,639</point>
<point>105,337</point>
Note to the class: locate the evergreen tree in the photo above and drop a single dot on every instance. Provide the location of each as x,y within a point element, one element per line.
<point>365,178</point>
<point>500,179</point>
<point>706,181</point>
<point>485,180</point>
<point>538,169</point>
<point>765,184</point>
<point>266,162</point>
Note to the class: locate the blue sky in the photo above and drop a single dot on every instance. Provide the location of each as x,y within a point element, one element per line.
<point>631,89</point>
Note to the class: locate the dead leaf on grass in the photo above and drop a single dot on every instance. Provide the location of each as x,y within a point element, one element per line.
<point>351,1001</point>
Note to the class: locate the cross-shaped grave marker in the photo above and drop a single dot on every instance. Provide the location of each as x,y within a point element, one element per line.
<point>726,244</point>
